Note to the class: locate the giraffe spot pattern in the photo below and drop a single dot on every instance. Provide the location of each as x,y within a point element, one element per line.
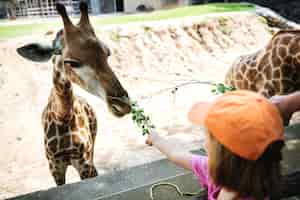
<point>258,81</point>
<point>81,121</point>
<point>51,132</point>
<point>271,70</point>
<point>285,40</point>
<point>275,59</point>
<point>296,62</point>
<point>268,72</point>
<point>282,52</point>
<point>287,70</point>
<point>64,142</point>
<point>276,85</point>
<point>263,62</point>
<point>288,59</point>
<point>277,74</point>
<point>73,124</point>
<point>295,46</point>
<point>63,128</point>
<point>250,74</point>
<point>53,145</point>
<point>76,140</point>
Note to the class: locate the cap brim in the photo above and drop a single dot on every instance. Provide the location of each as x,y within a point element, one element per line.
<point>198,112</point>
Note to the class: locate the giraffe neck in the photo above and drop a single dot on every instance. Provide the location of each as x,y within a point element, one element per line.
<point>62,96</point>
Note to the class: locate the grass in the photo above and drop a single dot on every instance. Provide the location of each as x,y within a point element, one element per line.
<point>12,31</point>
<point>177,13</point>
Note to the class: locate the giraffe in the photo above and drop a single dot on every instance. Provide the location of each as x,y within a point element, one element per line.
<point>69,122</point>
<point>273,70</point>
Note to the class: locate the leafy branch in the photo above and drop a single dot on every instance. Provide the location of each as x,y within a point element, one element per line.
<point>143,121</point>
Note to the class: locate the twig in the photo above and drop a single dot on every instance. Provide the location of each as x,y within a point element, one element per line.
<point>193,82</point>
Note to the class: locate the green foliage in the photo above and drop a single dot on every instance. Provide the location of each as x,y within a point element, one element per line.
<point>225,30</point>
<point>147,29</point>
<point>262,20</point>
<point>220,88</point>
<point>272,31</point>
<point>115,36</point>
<point>224,27</point>
<point>223,21</point>
<point>140,119</point>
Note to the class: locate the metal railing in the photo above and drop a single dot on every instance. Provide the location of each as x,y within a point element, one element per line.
<point>44,8</point>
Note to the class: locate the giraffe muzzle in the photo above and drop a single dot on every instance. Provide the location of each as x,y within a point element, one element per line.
<point>119,106</point>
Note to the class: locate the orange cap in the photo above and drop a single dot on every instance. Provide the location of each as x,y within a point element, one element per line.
<point>243,121</point>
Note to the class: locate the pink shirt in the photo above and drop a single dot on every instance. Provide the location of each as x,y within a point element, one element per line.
<point>200,168</point>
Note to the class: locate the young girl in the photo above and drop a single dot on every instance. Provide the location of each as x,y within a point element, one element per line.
<point>243,140</point>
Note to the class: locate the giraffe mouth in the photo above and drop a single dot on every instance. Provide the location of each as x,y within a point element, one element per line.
<point>119,106</point>
<point>117,110</point>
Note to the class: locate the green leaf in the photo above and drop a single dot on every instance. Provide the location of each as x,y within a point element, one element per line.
<point>140,119</point>
<point>221,88</point>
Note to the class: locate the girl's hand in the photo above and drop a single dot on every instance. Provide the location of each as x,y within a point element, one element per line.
<point>151,137</point>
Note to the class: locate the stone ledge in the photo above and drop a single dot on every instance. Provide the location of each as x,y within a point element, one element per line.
<point>134,183</point>
<point>115,184</point>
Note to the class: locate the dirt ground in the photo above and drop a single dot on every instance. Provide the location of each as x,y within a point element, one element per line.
<point>147,59</point>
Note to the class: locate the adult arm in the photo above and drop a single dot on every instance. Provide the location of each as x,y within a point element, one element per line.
<point>287,105</point>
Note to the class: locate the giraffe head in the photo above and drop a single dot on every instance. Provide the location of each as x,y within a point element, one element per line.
<point>83,58</point>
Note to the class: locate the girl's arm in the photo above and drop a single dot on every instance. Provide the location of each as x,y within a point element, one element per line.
<point>170,149</point>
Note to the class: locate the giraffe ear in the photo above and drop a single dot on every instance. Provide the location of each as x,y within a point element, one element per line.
<point>36,52</point>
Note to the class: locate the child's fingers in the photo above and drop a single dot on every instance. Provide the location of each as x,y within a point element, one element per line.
<point>148,141</point>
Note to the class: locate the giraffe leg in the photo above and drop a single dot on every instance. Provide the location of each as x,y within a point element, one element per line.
<point>86,169</point>
<point>58,171</point>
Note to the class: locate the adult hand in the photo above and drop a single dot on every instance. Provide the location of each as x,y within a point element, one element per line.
<point>284,107</point>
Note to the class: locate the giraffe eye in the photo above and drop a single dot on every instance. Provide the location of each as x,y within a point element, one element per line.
<point>73,63</point>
